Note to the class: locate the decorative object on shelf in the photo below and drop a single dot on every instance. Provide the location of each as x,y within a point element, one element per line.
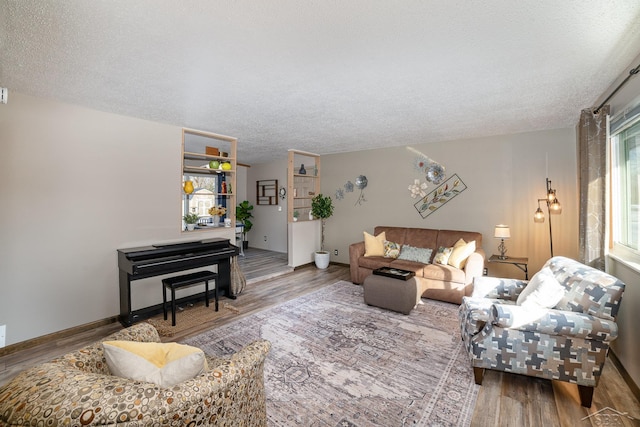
<point>225,166</point>
<point>216,212</point>
<point>191,219</point>
<point>361,184</point>
<point>283,193</point>
<point>188,187</point>
<point>441,195</point>
<point>223,187</point>
<point>227,222</point>
<point>322,208</point>
<point>502,232</point>
<point>302,170</point>
<point>417,189</point>
<point>211,151</point>
<point>214,164</point>
<point>310,216</point>
<point>224,154</point>
<point>348,187</point>
<point>553,208</point>
<point>296,214</point>
<point>243,214</point>
<point>339,194</point>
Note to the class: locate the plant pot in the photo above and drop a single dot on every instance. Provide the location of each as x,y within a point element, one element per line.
<point>191,227</point>
<point>321,259</point>
<point>245,245</point>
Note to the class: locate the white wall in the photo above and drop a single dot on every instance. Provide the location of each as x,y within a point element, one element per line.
<point>269,221</point>
<point>76,185</point>
<point>505,175</point>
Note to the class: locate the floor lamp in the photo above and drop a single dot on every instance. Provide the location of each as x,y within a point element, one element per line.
<point>553,208</point>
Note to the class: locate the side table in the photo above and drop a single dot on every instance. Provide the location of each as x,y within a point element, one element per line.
<point>521,263</point>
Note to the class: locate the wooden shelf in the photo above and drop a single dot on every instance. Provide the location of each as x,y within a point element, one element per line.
<point>201,156</point>
<point>302,183</point>
<point>202,169</point>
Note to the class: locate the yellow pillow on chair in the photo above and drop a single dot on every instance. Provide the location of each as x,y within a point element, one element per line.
<point>164,364</point>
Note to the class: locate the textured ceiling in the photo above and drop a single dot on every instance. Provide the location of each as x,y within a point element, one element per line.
<point>323,76</point>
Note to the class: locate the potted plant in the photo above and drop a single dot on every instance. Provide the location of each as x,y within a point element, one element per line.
<point>243,214</point>
<point>321,208</point>
<point>191,219</point>
<point>296,214</point>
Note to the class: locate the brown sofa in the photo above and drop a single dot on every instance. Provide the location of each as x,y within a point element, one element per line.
<point>440,282</point>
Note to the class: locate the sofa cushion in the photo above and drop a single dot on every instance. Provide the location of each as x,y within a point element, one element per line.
<point>391,249</point>
<point>460,253</point>
<point>394,234</point>
<point>411,253</point>
<point>418,237</point>
<point>374,245</point>
<point>542,291</point>
<point>446,273</point>
<point>164,364</point>
<point>422,238</point>
<point>374,262</point>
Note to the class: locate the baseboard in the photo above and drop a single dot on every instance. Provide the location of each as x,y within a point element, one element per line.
<point>341,264</point>
<point>23,345</point>
<point>625,375</point>
<point>311,264</point>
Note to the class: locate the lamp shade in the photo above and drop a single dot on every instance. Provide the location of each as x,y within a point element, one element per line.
<point>502,232</point>
<point>555,207</point>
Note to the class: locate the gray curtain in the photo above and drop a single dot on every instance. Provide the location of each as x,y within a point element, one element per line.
<point>592,170</point>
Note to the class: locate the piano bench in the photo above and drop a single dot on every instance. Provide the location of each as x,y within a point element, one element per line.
<point>177,282</point>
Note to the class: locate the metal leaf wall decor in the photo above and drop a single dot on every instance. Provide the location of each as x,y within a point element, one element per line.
<point>440,196</point>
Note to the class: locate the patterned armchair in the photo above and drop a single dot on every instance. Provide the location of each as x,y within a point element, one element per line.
<point>568,342</point>
<point>77,389</point>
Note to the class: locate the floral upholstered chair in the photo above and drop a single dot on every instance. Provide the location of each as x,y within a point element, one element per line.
<point>78,389</point>
<point>557,326</point>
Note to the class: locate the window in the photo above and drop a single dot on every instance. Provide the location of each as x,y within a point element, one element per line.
<point>625,212</point>
<point>204,196</point>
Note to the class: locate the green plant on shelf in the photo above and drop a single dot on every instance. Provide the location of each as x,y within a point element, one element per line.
<point>191,218</point>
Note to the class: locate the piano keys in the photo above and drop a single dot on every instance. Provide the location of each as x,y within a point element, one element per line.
<point>155,260</point>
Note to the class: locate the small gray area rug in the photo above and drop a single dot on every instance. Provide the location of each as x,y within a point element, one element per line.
<point>337,362</point>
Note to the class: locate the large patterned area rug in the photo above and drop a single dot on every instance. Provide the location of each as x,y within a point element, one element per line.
<point>335,361</point>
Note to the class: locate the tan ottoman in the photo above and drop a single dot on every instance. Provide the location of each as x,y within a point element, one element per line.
<point>392,294</point>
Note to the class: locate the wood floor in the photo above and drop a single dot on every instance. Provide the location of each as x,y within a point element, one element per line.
<point>503,399</point>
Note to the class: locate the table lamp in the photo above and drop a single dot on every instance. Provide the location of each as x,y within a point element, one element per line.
<point>502,232</point>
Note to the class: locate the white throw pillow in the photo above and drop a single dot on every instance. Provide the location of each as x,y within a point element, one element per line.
<point>164,364</point>
<point>542,291</point>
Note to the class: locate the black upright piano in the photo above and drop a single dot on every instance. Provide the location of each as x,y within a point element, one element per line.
<point>155,260</point>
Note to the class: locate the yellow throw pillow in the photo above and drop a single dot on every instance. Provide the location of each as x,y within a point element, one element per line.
<point>164,364</point>
<point>374,245</point>
<point>461,252</point>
